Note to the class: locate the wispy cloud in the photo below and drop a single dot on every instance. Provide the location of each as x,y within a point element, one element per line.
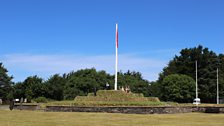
<point>20,65</point>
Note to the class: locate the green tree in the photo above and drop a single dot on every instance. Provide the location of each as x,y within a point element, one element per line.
<point>5,83</point>
<point>178,88</point>
<point>19,90</point>
<point>154,89</point>
<point>55,86</point>
<point>32,87</point>
<point>208,62</point>
<point>221,75</point>
<point>85,81</point>
<point>135,81</point>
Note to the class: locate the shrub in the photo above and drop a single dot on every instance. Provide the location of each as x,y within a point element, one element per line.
<point>41,100</point>
<point>153,99</point>
<point>90,94</point>
<point>178,88</point>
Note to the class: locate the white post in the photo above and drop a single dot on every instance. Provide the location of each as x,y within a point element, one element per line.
<point>116,58</point>
<point>217,86</point>
<point>196,79</point>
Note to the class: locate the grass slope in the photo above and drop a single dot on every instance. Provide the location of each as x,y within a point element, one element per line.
<point>116,98</point>
<point>34,118</point>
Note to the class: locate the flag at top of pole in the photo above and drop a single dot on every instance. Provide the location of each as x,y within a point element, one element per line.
<point>116,58</point>
<point>116,35</point>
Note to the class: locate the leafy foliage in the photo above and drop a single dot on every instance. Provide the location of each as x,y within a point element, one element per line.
<point>135,81</point>
<point>179,88</point>
<point>208,62</point>
<point>85,81</point>
<point>33,87</point>
<point>55,87</point>
<point>5,84</point>
<point>41,100</point>
<point>78,83</point>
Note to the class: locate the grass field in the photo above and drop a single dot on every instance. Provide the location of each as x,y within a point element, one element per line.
<point>35,118</point>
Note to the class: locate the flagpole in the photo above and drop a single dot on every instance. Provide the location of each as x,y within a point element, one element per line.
<point>196,64</point>
<point>217,86</point>
<point>116,59</point>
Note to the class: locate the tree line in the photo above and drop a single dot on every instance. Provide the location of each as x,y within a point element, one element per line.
<point>171,88</point>
<point>68,86</point>
<point>176,81</point>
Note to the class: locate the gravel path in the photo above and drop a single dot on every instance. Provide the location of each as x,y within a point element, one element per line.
<point>4,107</point>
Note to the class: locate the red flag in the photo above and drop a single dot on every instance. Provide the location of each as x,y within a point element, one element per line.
<point>116,35</point>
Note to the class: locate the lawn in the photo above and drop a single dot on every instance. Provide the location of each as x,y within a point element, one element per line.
<point>37,118</point>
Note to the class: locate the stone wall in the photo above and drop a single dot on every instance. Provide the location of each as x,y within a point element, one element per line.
<point>208,109</point>
<point>129,110</point>
<point>27,107</point>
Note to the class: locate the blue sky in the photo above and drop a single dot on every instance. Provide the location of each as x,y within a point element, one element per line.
<point>45,37</point>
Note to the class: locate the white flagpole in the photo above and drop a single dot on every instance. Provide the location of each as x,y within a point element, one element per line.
<point>217,86</point>
<point>116,59</point>
<point>196,64</point>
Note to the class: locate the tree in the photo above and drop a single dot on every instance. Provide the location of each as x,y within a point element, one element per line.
<point>208,62</point>
<point>5,83</point>
<point>19,90</point>
<point>32,87</point>
<point>221,75</point>
<point>154,89</point>
<point>178,88</point>
<point>55,86</point>
<point>76,83</point>
<point>85,81</point>
<point>135,81</point>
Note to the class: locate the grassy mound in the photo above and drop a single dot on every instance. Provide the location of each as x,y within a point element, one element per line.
<point>113,98</point>
<point>108,98</point>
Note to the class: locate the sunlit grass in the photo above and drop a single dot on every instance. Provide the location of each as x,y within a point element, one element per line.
<point>114,103</point>
<point>36,118</point>
<point>104,103</point>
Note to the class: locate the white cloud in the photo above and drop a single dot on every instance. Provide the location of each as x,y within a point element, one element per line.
<point>21,65</point>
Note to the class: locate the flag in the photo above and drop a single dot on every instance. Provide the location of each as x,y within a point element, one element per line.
<point>116,35</point>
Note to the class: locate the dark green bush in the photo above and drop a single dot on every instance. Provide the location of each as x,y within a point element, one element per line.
<point>41,100</point>
<point>90,94</point>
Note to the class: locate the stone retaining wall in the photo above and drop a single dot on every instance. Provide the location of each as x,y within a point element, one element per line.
<point>136,110</point>
<point>208,109</point>
<point>128,110</point>
<point>27,107</point>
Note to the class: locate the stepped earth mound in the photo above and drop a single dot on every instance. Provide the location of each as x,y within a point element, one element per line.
<point>115,96</point>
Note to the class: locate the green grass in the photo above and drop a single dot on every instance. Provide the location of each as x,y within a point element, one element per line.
<point>35,118</point>
<point>115,98</point>
<point>104,103</point>
<point>121,104</point>
<point>112,96</point>
<point>107,98</point>
<point>202,105</point>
